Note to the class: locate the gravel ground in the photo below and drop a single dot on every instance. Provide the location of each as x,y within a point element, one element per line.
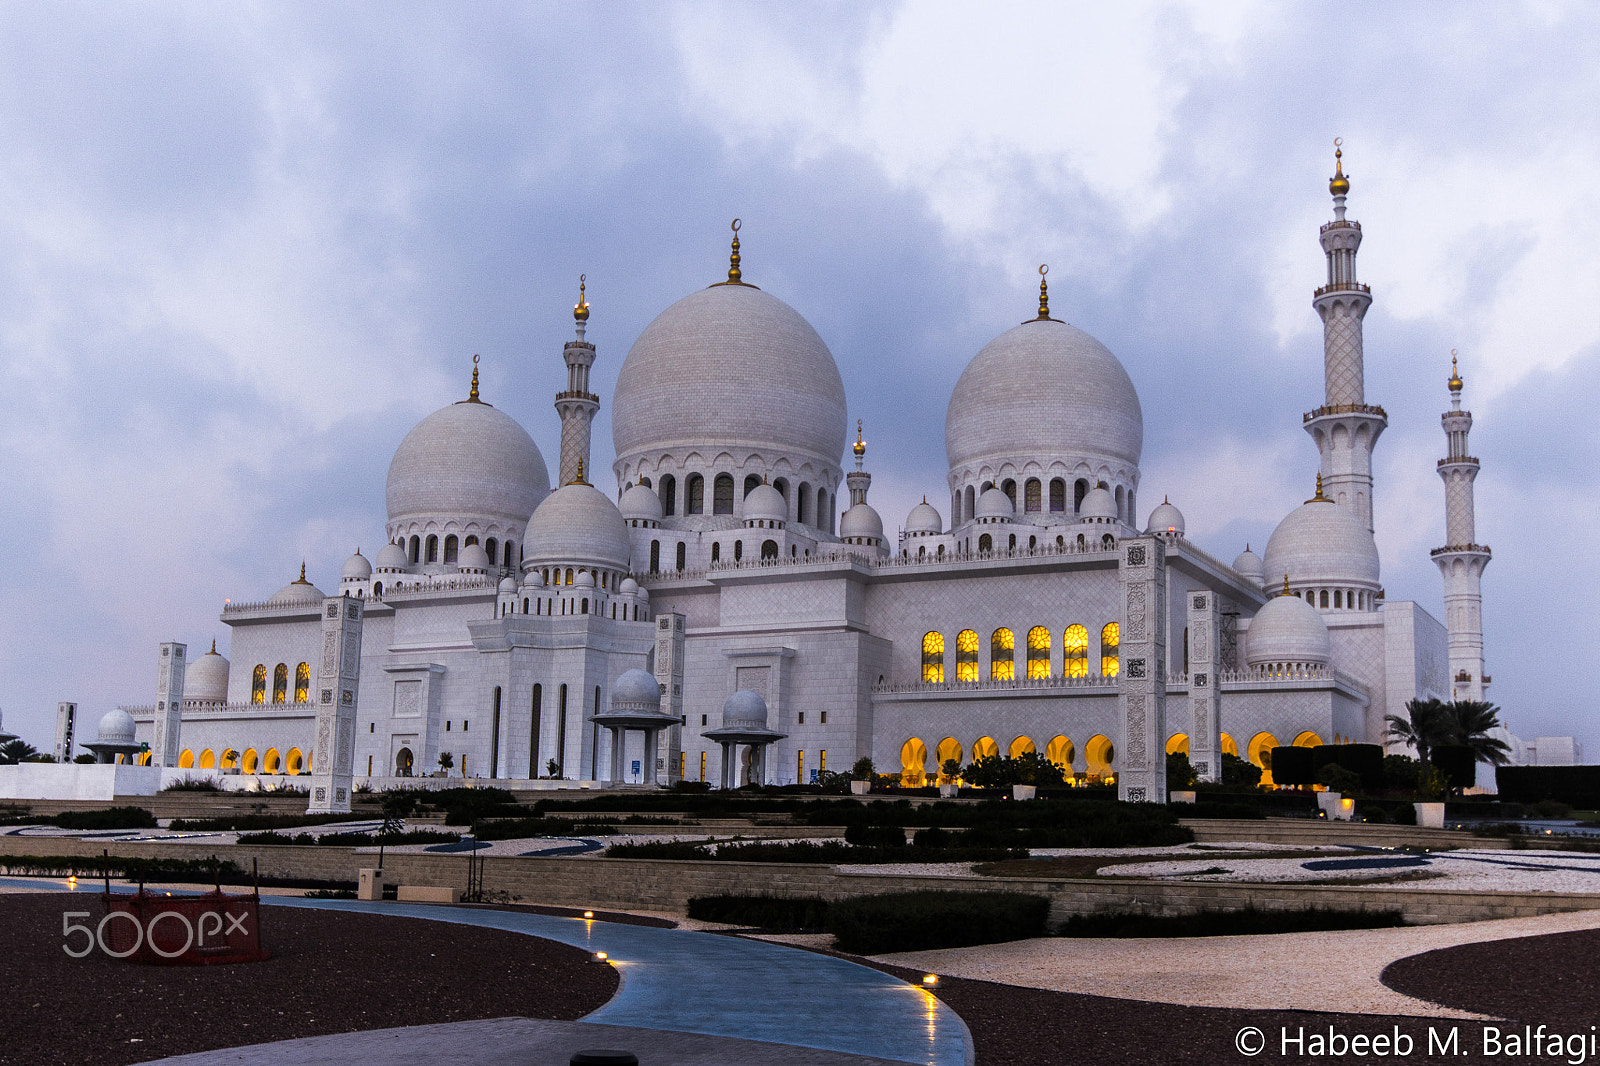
<point>331,973</point>
<point>1465,870</point>
<point>1552,979</point>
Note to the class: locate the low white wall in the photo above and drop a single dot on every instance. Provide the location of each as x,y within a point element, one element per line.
<point>77,781</point>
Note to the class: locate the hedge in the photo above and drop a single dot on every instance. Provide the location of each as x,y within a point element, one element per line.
<point>1364,760</point>
<point>1246,922</point>
<point>1576,786</point>
<point>773,914</point>
<point>1457,762</point>
<point>807,851</point>
<point>1292,766</point>
<point>922,921</point>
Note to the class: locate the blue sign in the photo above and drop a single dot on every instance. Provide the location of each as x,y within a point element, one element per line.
<point>636,766</point>
<point>813,776</point>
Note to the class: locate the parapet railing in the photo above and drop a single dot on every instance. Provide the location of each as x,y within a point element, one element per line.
<point>1016,684</point>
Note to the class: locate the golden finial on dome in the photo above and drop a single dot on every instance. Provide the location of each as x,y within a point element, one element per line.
<point>301,580</point>
<point>472,397</point>
<point>580,311</point>
<point>1319,495</point>
<point>860,446</point>
<point>213,645</point>
<point>1286,591</point>
<point>734,274</point>
<point>1338,185</point>
<point>1044,295</point>
<point>578,479</point>
<point>1455,375</point>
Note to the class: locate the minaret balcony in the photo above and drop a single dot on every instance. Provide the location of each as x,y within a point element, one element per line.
<point>1348,223</point>
<point>1460,460</point>
<point>1462,549</point>
<point>1344,286</point>
<point>577,394</point>
<point>1347,409</point>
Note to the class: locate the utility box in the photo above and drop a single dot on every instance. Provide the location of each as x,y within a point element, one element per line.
<point>370,885</point>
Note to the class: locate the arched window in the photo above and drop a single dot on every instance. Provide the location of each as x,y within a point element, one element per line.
<point>524,605</point>
<point>280,683</point>
<point>769,549</point>
<point>1100,753</point>
<point>669,494</point>
<point>722,494</point>
<point>450,548</point>
<point>782,485</point>
<point>1178,744</point>
<point>416,548</point>
<point>966,655</point>
<point>258,684</point>
<point>271,763</point>
<point>186,759</point>
<point>208,760</point>
<point>738,550</point>
<point>512,557</point>
<point>1058,494</point>
<point>1011,543</point>
<point>295,761</point>
<point>1080,489</point>
<point>1009,487</point>
<point>1324,598</point>
<point>938,552</point>
<point>1108,542</point>
<point>585,606</point>
<point>302,683</point>
<point>1059,751</point>
<point>802,503</point>
<point>470,540</point>
<point>933,658</point>
<point>682,555</point>
<point>716,552</point>
<point>1002,656</point>
<point>971,507</point>
<point>433,548</point>
<point>984,748</point>
<point>1110,642</point>
<point>949,751</point>
<point>1082,544</point>
<point>402,763</point>
<point>824,511</point>
<point>252,762</point>
<point>913,762</point>
<point>1122,503</point>
<point>1038,652</point>
<point>695,495</point>
<point>1021,746</point>
<point>1031,495</point>
<point>568,581</point>
<point>750,483</point>
<point>1075,652</point>
<point>655,556</point>
<point>491,548</point>
<point>985,544</point>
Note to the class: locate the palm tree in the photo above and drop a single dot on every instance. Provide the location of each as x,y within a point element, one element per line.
<point>1468,723</point>
<point>15,751</point>
<point>1426,725</point>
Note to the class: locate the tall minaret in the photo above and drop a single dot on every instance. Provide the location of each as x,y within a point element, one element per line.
<point>1461,560</point>
<point>858,480</point>
<point>576,404</point>
<point>1345,427</point>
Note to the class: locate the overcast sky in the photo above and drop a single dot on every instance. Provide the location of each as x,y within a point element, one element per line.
<point>244,248</point>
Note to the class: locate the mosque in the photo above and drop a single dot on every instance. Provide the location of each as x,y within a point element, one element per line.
<point>736,611</point>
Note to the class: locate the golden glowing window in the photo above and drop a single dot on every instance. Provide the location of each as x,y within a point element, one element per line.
<point>1002,656</point>
<point>1075,652</point>
<point>258,685</point>
<point>933,658</point>
<point>1038,652</point>
<point>913,762</point>
<point>1110,641</point>
<point>302,683</point>
<point>1060,752</point>
<point>280,683</point>
<point>966,656</point>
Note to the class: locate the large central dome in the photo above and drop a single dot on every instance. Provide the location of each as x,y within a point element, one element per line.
<point>467,463</point>
<point>729,367</point>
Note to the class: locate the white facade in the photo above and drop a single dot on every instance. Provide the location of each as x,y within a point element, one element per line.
<point>1042,616</point>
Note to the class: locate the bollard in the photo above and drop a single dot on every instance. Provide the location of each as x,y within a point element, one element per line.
<point>604,1058</point>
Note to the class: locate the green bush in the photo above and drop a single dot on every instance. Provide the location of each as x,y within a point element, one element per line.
<point>1550,808</point>
<point>1001,771</point>
<point>349,840</point>
<point>876,836</point>
<point>110,818</point>
<point>1400,773</point>
<point>772,914</point>
<point>807,851</point>
<point>1292,765</point>
<point>258,821</point>
<point>1336,778</point>
<point>1180,772</point>
<point>1458,763</point>
<point>1239,773</point>
<point>193,784</point>
<point>922,921</point>
<point>1247,922</point>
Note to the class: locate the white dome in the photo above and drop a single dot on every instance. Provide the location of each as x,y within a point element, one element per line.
<point>861,521</point>
<point>466,461</point>
<point>298,591</point>
<point>577,525</point>
<point>1165,519</point>
<point>392,557</point>
<point>628,587</point>
<point>508,585</point>
<point>206,678</point>
<point>473,557</point>
<point>924,518</point>
<point>1249,565</point>
<point>765,504</point>
<point>1320,542</point>
<point>117,728</point>
<point>1098,503</point>
<point>1287,629</point>
<point>636,687</point>
<point>639,502</point>
<point>584,580</point>
<point>533,580</point>
<point>744,710</point>
<point>1048,391</point>
<point>995,504</point>
<point>729,366</point>
<point>356,568</point>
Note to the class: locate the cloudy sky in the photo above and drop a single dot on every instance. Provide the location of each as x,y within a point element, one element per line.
<point>245,247</point>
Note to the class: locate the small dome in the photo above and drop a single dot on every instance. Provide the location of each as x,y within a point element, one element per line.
<point>628,587</point>
<point>584,580</point>
<point>1098,503</point>
<point>577,524</point>
<point>298,591</point>
<point>356,568</point>
<point>742,710</point>
<point>924,518</point>
<point>639,502</point>
<point>392,557</point>
<point>765,504</point>
<point>206,678</point>
<point>1318,542</point>
<point>473,557</point>
<point>468,460</point>
<point>995,504</point>
<point>508,586</point>
<point>636,687</point>
<point>533,579</point>
<point>861,521</point>
<point>117,727</point>
<point>1249,565</point>
<point>1165,519</point>
<point>1287,629</point>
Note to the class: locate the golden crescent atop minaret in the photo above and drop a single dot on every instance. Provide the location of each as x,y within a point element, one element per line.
<point>1338,185</point>
<point>581,310</point>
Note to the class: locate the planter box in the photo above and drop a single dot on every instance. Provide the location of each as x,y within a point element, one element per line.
<point>948,791</point>
<point>860,788</point>
<point>1180,797</point>
<point>1024,792</point>
<point>1430,815</point>
<point>1336,807</point>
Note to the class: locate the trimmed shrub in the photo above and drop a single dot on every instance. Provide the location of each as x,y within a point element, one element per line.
<point>350,840</point>
<point>1292,766</point>
<point>876,836</point>
<point>193,784</point>
<point>110,818</point>
<point>1363,760</point>
<point>1457,762</point>
<point>921,921</point>
<point>1577,786</point>
<point>772,914</point>
<point>1247,922</point>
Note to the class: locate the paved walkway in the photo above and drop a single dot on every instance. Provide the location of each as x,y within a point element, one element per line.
<point>1337,971</point>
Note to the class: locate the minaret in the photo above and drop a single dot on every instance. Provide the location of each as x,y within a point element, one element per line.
<point>858,479</point>
<point>1345,427</point>
<point>1461,560</point>
<point>576,404</point>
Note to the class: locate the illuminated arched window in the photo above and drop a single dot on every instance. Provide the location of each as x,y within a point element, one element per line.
<point>208,760</point>
<point>1100,754</point>
<point>258,684</point>
<point>1031,495</point>
<point>1075,652</point>
<point>966,655</point>
<point>302,683</point>
<point>186,759</point>
<point>694,493</point>
<point>1038,652</point>
<point>913,762</point>
<point>252,762</point>
<point>933,658</point>
<point>568,581</point>
<point>1110,641</point>
<point>295,761</point>
<point>722,494</point>
<point>1060,752</point>
<point>1178,743</point>
<point>271,763</point>
<point>280,683</point>
<point>1021,746</point>
<point>1002,656</point>
<point>949,749</point>
<point>984,748</point>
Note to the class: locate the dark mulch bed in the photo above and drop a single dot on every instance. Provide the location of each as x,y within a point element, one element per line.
<point>1550,979</point>
<point>330,973</point>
